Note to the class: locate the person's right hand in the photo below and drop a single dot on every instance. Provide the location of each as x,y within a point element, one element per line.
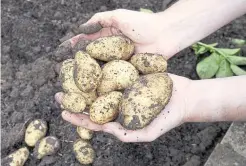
<point>144,29</point>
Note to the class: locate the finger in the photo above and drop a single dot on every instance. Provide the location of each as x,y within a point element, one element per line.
<point>59,97</point>
<point>142,135</point>
<point>81,120</point>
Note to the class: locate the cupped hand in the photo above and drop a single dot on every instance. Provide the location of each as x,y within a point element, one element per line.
<point>172,116</point>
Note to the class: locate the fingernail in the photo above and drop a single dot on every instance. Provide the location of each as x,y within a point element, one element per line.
<point>58,97</point>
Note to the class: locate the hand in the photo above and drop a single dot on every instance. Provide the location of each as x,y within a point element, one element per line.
<point>144,29</point>
<point>173,115</point>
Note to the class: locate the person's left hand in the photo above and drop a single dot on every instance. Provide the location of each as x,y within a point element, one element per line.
<point>173,115</point>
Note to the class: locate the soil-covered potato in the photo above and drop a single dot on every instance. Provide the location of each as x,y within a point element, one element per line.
<point>68,83</point>
<point>46,146</point>
<point>148,63</point>
<point>145,99</point>
<point>87,72</point>
<point>84,133</point>
<point>73,102</point>
<point>35,131</point>
<point>17,158</point>
<point>117,75</point>
<point>83,151</point>
<point>111,48</point>
<point>106,107</point>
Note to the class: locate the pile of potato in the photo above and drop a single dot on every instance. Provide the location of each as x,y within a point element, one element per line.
<point>34,137</point>
<point>134,86</point>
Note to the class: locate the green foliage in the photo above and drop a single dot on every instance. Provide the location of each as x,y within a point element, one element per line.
<point>238,42</point>
<point>145,10</point>
<point>222,62</point>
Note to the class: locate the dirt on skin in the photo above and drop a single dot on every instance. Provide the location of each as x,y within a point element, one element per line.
<point>31,32</point>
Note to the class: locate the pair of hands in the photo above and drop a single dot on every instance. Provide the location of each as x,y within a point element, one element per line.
<point>143,30</point>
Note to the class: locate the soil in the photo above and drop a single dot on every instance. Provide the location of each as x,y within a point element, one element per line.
<point>31,32</point>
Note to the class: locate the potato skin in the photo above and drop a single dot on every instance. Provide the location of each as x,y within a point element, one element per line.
<point>73,102</point>
<point>35,131</point>
<point>145,99</point>
<point>84,133</point>
<point>87,72</point>
<point>46,146</point>
<point>83,151</point>
<point>105,108</point>
<point>117,75</point>
<point>111,48</point>
<point>17,158</point>
<point>148,63</point>
<point>68,83</point>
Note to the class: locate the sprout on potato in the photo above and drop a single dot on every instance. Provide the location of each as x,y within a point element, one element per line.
<point>35,131</point>
<point>105,108</point>
<point>111,48</point>
<point>148,63</point>
<point>83,151</point>
<point>87,72</point>
<point>17,158</point>
<point>46,146</point>
<point>117,75</point>
<point>145,99</point>
<point>84,133</point>
<point>73,102</point>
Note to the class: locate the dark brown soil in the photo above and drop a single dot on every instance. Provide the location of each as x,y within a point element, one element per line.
<point>31,31</point>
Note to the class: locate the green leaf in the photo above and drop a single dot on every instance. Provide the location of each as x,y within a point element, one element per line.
<point>224,69</point>
<point>228,51</point>
<point>213,44</point>
<point>238,42</point>
<point>237,70</point>
<point>146,10</point>
<point>236,60</point>
<point>208,67</point>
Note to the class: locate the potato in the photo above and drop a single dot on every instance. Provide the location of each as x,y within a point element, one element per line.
<point>87,72</point>
<point>83,151</point>
<point>35,131</point>
<point>84,133</point>
<point>73,102</point>
<point>68,83</point>
<point>117,75</point>
<point>145,99</point>
<point>111,48</point>
<point>46,146</point>
<point>105,108</point>
<point>148,63</point>
<point>17,158</point>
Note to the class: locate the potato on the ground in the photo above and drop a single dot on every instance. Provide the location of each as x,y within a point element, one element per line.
<point>84,133</point>
<point>73,102</point>
<point>145,99</point>
<point>111,48</point>
<point>148,63</point>
<point>87,72</point>
<point>117,75</point>
<point>46,146</point>
<point>17,158</point>
<point>83,151</point>
<point>105,108</point>
<point>35,131</point>
<point>68,83</point>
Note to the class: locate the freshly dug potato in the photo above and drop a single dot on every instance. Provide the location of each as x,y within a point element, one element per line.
<point>68,83</point>
<point>148,63</point>
<point>17,158</point>
<point>84,152</point>
<point>87,72</point>
<point>145,99</point>
<point>46,146</point>
<point>111,48</point>
<point>35,131</point>
<point>73,102</point>
<point>84,133</point>
<point>117,75</point>
<point>105,108</point>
